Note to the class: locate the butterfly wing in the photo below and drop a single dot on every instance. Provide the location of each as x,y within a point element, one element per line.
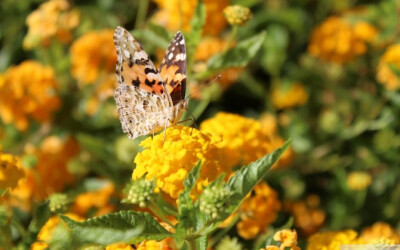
<point>133,64</point>
<point>173,69</point>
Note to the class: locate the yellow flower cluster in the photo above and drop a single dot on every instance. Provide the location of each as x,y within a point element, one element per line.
<point>307,216</point>
<point>50,175</point>
<point>45,233</point>
<point>53,19</point>
<point>171,159</point>
<point>287,237</point>
<point>99,199</point>
<point>93,57</point>
<point>237,15</point>
<point>337,40</point>
<point>389,63</point>
<point>33,85</point>
<point>243,140</point>
<point>358,180</point>
<point>10,171</point>
<point>332,240</point>
<point>257,212</point>
<point>119,246</point>
<point>176,15</point>
<point>288,96</point>
<point>379,233</point>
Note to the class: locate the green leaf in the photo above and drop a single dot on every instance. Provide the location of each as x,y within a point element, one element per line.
<point>275,49</point>
<point>239,56</point>
<point>247,177</point>
<point>186,210</point>
<point>41,215</point>
<point>124,226</point>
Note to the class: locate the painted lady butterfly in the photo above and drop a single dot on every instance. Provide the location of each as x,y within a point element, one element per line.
<point>148,99</point>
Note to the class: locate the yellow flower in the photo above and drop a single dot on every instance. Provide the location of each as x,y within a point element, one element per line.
<point>53,19</point>
<point>287,237</point>
<point>358,180</point>
<point>93,57</point>
<point>176,15</point>
<point>388,64</point>
<point>378,231</point>
<point>288,96</point>
<point>165,244</point>
<point>170,161</point>
<point>10,171</point>
<point>308,218</point>
<point>119,246</point>
<point>332,240</point>
<point>50,175</point>
<point>237,15</point>
<point>99,199</point>
<point>32,85</point>
<point>257,212</point>
<point>45,233</point>
<point>336,40</point>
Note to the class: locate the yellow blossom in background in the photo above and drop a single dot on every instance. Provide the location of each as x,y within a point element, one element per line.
<point>380,230</point>
<point>237,15</point>
<point>93,57</point>
<point>243,140</point>
<point>358,180</point>
<point>50,174</point>
<point>10,171</point>
<point>119,246</point>
<point>45,233</point>
<point>99,199</point>
<point>170,161</point>
<point>308,218</point>
<point>176,15</point>
<point>53,19</point>
<point>287,237</point>
<point>332,240</point>
<point>33,85</point>
<point>288,96</point>
<point>258,211</point>
<point>388,65</point>
<point>337,40</point>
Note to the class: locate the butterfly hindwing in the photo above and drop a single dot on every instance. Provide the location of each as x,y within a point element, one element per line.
<point>133,64</point>
<point>173,68</point>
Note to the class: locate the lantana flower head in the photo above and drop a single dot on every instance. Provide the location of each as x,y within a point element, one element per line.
<point>388,63</point>
<point>170,160</point>
<point>337,40</point>
<point>175,15</point>
<point>53,19</point>
<point>10,171</point>
<point>32,84</point>
<point>257,212</point>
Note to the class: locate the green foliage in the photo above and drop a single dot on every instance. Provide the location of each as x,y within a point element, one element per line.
<point>123,226</point>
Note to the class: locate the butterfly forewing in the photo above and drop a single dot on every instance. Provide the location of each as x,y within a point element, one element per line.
<point>173,68</point>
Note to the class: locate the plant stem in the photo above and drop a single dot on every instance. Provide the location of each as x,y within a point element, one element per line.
<point>159,214</point>
<point>232,38</point>
<point>192,244</point>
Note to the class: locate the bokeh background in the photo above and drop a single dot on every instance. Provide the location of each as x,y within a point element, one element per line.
<point>324,73</point>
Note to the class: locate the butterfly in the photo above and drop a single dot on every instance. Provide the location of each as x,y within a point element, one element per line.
<point>148,99</point>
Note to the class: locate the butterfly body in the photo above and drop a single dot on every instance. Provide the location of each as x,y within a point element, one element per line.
<point>148,99</point>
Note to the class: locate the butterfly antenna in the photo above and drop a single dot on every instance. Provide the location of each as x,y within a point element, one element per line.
<point>205,85</point>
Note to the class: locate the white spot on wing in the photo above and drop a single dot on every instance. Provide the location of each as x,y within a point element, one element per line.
<point>127,54</point>
<point>170,56</point>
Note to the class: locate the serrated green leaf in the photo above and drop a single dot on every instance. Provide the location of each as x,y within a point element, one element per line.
<point>239,56</point>
<point>247,177</point>
<point>124,226</point>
